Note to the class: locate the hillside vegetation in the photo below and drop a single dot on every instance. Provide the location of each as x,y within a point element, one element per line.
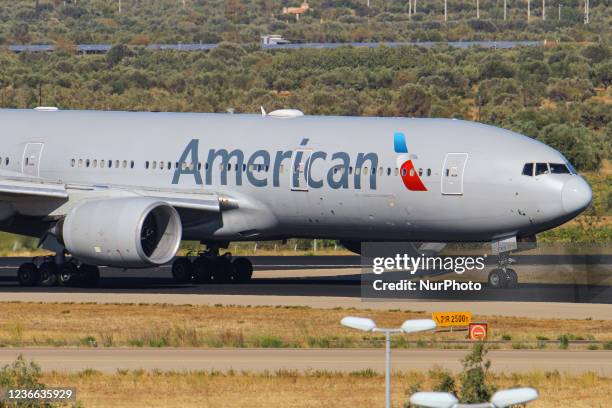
<point>243,21</point>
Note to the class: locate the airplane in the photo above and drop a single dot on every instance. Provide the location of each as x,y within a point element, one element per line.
<point>122,189</point>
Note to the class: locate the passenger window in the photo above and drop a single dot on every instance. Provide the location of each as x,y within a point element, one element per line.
<point>403,172</point>
<point>125,164</point>
<point>350,169</point>
<point>102,164</point>
<point>154,165</point>
<point>72,162</point>
<point>396,171</point>
<point>95,163</point>
<point>541,168</point>
<point>528,169</point>
<point>420,172</point>
<point>87,163</point>
<point>429,172</point>
<point>6,161</point>
<point>388,171</point>
<point>161,165</point>
<point>446,172</point>
<point>132,164</point>
<point>558,168</point>
<point>146,165</point>
<point>169,165</point>
<point>80,162</point>
<point>116,164</point>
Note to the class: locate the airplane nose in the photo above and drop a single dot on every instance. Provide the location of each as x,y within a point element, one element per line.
<point>576,195</point>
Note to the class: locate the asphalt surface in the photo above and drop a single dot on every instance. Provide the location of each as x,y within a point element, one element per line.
<point>308,283</point>
<point>344,360</point>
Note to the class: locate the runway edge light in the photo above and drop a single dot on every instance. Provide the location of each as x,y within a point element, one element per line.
<point>359,323</point>
<point>433,399</point>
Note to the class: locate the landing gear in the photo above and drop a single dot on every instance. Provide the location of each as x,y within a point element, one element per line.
<point>503,277</point>
<point>51,271</point>
<point>210,267</point>
<point>243,270</point>
<point>47,273</point>
<point>27,275</point>
<point>182,270</point>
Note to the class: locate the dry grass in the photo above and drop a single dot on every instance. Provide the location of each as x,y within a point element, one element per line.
<point>104,325</point>
<point>292,389</point>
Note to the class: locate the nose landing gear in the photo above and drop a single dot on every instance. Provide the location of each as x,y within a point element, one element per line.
<point>503,276</point>
<point>210,267</point>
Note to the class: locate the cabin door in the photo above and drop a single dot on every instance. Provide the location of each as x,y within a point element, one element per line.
<point>452,173</point>
<point>32,154</point>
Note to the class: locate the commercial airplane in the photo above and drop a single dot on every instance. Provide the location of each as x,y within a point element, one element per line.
<point>122,189</point>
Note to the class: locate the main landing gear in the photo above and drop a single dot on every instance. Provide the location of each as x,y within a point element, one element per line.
<point>210,267</point>
<point>503,276</point>
<point>52,271</point>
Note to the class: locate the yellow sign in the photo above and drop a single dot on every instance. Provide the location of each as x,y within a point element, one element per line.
<point>446,319</point>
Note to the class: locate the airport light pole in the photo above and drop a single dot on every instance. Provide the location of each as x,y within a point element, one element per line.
<point>368,325</point>
<point>501,399</point>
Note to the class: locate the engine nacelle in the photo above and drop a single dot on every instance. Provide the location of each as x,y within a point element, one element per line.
<point>123,232</point>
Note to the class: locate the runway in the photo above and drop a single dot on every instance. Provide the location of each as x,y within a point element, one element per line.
<point>317,276</point>
<point>343,360</point>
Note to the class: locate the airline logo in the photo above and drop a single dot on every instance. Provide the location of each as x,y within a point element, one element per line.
<point>408,173</point>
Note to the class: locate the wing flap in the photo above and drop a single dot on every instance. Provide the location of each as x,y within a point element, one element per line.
<point>32,188</point>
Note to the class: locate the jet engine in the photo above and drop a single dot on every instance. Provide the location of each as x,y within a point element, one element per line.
<point>131,232</point>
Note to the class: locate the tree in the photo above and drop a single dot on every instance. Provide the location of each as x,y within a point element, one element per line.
<point>582,148</point>
<point>117,53</point>
<point>496,67</point>
<point>474,386</point>
<point>413,101</point>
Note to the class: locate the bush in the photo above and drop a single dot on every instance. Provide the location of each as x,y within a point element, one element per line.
<point>22,374</point>
<point>564,341</point>
<point>413,101</point>
<point>474,386</point>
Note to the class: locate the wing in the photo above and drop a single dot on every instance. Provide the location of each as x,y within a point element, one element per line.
<point>15,187</point>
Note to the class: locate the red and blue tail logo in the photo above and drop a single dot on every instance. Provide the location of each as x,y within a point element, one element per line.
<point>409,174</point>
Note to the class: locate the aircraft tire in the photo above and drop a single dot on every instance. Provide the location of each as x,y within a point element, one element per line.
<point>496,279</point>
<point>27,275</point>
<point>67,274</point>
<point>47,274</point>
<point>512,278</point>
<point>182,270</point>
<point>222,270</point>
<point>203,270</point>
<point>243,270</point>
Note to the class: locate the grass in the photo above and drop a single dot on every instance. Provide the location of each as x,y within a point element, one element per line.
<point>163,325</point>
<point>311,389</point>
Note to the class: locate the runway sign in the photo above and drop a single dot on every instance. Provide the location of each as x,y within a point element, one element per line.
<point>449,319</point>
<point>478,331</point>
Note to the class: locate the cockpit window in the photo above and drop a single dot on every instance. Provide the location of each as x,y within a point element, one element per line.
<point>541,168</point>
<point>558,168</point>
<point>528,169</point>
